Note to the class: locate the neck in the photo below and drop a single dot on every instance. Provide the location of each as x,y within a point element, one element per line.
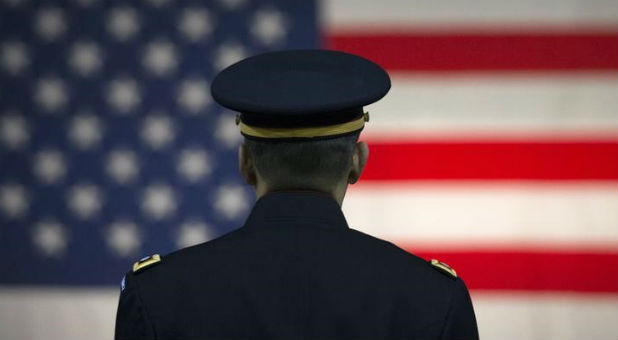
<point>337,191</point>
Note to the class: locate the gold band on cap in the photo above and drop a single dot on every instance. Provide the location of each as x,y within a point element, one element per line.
<point>304,132</point>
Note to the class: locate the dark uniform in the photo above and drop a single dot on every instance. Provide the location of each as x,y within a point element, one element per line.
<point>296,269</point>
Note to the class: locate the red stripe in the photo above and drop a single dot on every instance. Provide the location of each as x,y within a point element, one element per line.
<point>530,160</point>
<point>504,269</point>
<point>483,52</point>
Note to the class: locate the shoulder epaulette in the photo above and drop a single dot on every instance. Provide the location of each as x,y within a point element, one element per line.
<point>146,262</point>
<point>444,268</point>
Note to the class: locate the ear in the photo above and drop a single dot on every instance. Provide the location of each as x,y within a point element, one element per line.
<point>246,165</point>
<point>359,159</point>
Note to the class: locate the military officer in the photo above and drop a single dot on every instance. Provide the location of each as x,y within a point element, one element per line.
<point>296,269</point>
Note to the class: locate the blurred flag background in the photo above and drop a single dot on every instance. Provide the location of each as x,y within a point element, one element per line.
<point>496,150</point>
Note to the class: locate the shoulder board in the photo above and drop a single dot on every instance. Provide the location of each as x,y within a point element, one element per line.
<point>444,268</point>
<point>146,262</point>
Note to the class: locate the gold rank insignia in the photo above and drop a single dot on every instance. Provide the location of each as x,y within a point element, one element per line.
<point>146,262</point>
<point>444,268</point>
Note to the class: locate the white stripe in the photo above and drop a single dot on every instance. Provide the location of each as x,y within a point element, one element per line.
<point>546,315</point>
<point>497,104</point>
<point>370,16</point>
<point>579,214</point>
<point>57,313</point>
<point>63,313</point>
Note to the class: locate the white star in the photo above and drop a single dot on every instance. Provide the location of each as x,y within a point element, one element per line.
<point>123,94</point>
<point>85,200</point>
<point>122,165</point>
<point>50,23</point>
<point>14,57</point>
<point>191,233</point>
<point>193,95</point>
<point>157,130</point>
<point>50,238</point>
<point>123,238</point>
<point>49,166</point>
<point>14,130</point>
<point>231,201</point>
<point>50,94</point>
<point>85,131</point>
<point>194,164</point>
<point>85,58</point>
<point>195,23</point>
<point>233,4</point>
<point>14,200</point>
<point>158,201</point>
<point>269,26</point>
<point>123,23</point>
<point>229,53</point>
<point>160,58</point>
<point>227,132</point>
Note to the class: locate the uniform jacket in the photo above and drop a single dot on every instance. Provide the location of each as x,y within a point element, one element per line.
<point>294,270</point>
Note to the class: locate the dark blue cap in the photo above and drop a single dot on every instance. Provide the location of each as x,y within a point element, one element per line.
<point>300,93</point>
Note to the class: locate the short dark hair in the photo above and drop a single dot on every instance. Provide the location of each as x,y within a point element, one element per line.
<point>302,164</point>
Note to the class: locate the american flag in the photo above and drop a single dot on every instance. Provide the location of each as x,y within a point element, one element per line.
<point>496,150</point>
<point>112,148</point>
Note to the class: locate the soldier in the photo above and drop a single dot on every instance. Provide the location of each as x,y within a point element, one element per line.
<point>295,269</point>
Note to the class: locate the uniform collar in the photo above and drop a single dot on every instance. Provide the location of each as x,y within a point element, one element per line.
<point>302,206</point>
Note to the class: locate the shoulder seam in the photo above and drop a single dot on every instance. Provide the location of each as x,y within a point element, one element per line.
<point>449,311</point>
<point>143,306</point>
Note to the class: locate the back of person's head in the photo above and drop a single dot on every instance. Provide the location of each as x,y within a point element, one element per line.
<point>305,164</point>
<point>301,112</point>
